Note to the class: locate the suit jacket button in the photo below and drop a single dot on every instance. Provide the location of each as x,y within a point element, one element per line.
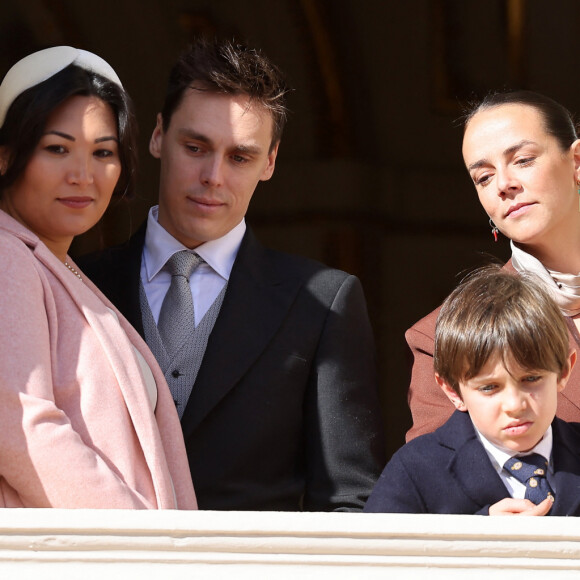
<point>175,374</point>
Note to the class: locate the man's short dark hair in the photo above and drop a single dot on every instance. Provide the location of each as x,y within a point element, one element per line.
<point>228,68</point>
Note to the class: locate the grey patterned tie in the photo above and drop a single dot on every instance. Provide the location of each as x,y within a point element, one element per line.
<point>176,319</point>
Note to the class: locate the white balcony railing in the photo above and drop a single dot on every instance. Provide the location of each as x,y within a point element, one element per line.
<point>109,544</point>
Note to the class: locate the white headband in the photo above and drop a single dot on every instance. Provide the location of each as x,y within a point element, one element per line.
<point>40,66</point>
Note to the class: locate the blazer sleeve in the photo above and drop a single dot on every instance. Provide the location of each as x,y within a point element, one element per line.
<point>43,461</point>
<point>345,441</point>
<point>396,490</point>
<point>402,488</point>
<point>419,479</point>
<point>429,405</point>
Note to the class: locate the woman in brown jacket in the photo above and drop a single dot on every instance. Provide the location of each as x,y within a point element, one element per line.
<point>523,155</point>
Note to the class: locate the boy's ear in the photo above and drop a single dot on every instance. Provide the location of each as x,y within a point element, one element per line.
<point>451,394</point>
<point>566,373</point>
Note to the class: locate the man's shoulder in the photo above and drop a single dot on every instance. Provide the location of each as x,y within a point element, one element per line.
<point>287,263</point>
<point>306,265</point>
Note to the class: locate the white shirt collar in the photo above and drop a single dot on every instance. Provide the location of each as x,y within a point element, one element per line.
<point>499,455</point>
<point>160,245</point>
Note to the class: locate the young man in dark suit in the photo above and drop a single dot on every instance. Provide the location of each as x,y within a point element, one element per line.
<point>501,356</point>
<point>278,401</point>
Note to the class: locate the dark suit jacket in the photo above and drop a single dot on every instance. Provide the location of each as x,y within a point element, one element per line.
<point>449,472</point>
<point>284,413</point>
<point>430,406</point>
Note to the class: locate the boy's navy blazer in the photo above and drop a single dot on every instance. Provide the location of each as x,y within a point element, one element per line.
<point>449,472</point>
<point>284,413</point>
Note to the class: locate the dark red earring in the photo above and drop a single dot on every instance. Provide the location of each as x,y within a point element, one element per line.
<point>494,229</point>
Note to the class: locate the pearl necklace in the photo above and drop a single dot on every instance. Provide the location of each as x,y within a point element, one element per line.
<point>75,272</point>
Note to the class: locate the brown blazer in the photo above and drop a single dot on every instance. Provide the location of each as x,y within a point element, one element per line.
<point>430,407</point>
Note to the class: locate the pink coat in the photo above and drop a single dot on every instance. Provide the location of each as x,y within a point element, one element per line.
<point>77,428</point>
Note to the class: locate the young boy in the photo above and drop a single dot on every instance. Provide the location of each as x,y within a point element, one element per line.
<point>501,356</point>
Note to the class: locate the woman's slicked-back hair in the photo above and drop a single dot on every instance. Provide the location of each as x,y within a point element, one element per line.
<point>27,117</point>
<point>557,120</point>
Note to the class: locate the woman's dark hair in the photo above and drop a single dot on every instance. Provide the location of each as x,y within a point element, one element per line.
<point>557,120</point>
<point>27,117</point>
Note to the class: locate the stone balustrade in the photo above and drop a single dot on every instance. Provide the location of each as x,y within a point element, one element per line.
<point>167,545</point>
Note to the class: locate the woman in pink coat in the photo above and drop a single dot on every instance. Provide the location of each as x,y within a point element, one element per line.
<point>86,417</point>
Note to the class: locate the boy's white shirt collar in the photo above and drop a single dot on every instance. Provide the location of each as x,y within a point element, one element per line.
<point>499,455</point>
<point>220,254</point>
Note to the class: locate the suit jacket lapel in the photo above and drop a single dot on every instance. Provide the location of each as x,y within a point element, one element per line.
<point>119,279</point>
<point>470,465</point>
<point>257,299</point>
<point>479,480</point>
<point>566,463</point>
